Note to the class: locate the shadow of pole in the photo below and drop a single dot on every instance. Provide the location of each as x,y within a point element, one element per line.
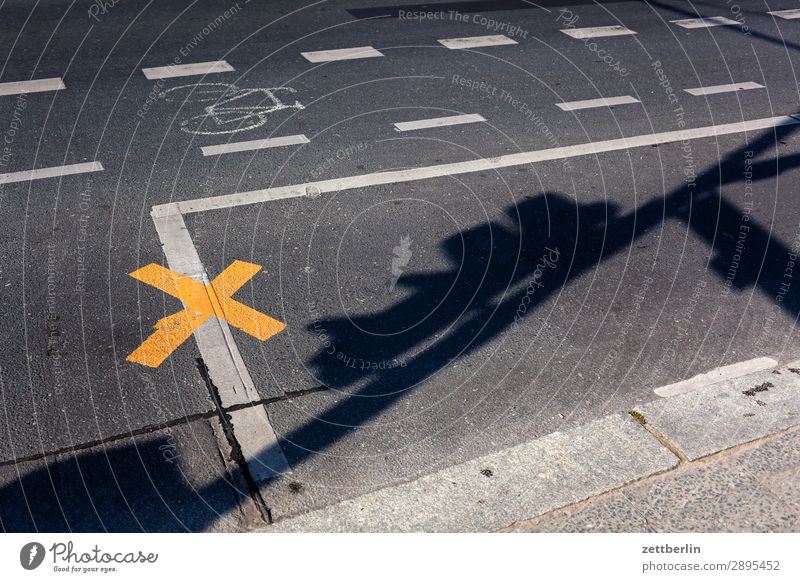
<point>498,276</point>
<point>587,234</point>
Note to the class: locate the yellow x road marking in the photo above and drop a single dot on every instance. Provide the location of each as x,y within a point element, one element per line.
<point>201,301</point>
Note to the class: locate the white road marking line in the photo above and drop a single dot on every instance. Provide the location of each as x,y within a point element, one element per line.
<point>260,446</point>
<point>476,41</point>
<point>171,71</point>
<point>54,172</point>
<point>359,52</point>
<point>791,14</point>
<point>456,168</point>
<point>256,144</point>
<point>597,31</point>
<point>439,122</point>
<point>602,102</point>
<point>705,22</point>
<point>219,351</point>
<point>33,86</point>
<point>717,375</point>
<point>714,89</point>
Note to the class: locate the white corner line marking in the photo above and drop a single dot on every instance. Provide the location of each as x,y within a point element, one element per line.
<point>345,54</point>
<point>731,88</point>
<point>214,339</point>
<point>602,102</point>
<point>54,172</point>
<point>791,14</point>
<point>187,70</point>
<point>222,357</point>
<point>597,31</point>
<point>476,41</point>
<point>456,168</point>
<point>33,86</point>
<point>705,22</point>
<point>439,122</point>
<point>716,375</point>
<point>256,144</point>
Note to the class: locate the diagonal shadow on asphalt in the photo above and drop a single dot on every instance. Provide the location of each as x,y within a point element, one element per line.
<point>122,490</point>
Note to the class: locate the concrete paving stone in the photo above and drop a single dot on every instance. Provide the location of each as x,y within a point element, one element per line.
<point>170,480</point>
<point>750,490</point>
<point>785,485</point>
<point>611,514</point>
<point>492,491</point>
<point>728,413</point>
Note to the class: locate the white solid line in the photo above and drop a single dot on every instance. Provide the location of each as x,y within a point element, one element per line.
<point>705,22</point>
<point>55,172</point>
<point>217,347</point>
<point>597,31</point>
<point>256,144</point>
<point>34,86</point>
<point>345,54</point>
<point>260,447</point>
<point>792,14</point>
<point>452,169</point>
<point>171,71</point>
<point>602,102</point>
<point>476,41</point>
<point>721,374</point>
<point>439,122</point>
<point>713,90</point>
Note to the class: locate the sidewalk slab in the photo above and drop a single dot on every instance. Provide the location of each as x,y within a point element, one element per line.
<point>728,413</point>
<point>753,489</point>
<point>491,492</point>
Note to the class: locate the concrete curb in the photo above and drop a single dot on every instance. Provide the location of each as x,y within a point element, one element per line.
<point>562,468</point>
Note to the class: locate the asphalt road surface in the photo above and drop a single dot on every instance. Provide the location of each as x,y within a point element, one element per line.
<point>458,245</point>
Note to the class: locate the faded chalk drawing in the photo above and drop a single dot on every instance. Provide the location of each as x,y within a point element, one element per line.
<point>230,109</point>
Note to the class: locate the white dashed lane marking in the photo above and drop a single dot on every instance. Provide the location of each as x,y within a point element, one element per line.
<point>597,31</point>
<point>705,22</point>
<point>35,86</point>
<point>187,70</point>
<point>54,172</point>
<point>602,102</point>
<point>359,52</point>
<point>792,14</point>
<point>476,41</point>
<point>439,122</point>
<point>714,89</point>
<point>256,144</point>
